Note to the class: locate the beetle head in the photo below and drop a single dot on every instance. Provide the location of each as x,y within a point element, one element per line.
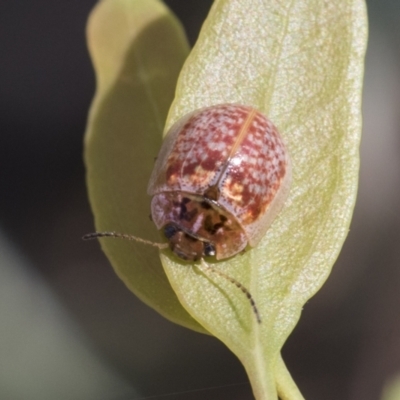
<point>186,246</point>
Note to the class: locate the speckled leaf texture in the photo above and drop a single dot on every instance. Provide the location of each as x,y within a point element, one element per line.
<point>301,63</point>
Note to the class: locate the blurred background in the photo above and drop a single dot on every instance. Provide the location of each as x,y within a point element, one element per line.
<point>69,329</point>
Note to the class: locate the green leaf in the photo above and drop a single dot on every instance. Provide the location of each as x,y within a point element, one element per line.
<point>301,63</point>
<point>138,49</point>
<point>391,390</point>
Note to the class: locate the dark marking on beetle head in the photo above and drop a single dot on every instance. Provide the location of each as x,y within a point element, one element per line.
<point>209,249</point>
<point>208,224</point>
<point>170,230</point>
<point>212,227</point>
<point>188,215</point>
<point>205,205</point>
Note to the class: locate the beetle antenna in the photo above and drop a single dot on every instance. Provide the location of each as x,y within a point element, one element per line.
<point>125,236</point>
<point>238,285</point>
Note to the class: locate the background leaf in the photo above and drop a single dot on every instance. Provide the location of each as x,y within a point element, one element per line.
<point>138,49</point>
<point>392,389</point>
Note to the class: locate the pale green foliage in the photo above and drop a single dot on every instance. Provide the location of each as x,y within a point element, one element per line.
<point>299,62</point>
<point>392,389</point>
<point>138,49</point>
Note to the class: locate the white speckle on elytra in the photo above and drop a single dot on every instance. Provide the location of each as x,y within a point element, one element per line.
<point>216,146</point>
<point>252,161</point>
<point>235,161</point>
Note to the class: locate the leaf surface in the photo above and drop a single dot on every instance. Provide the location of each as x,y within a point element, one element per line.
<point>301,63</point>
<point>137,48</point>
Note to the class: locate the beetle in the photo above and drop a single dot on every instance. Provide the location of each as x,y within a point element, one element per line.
<point>221,177</point>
